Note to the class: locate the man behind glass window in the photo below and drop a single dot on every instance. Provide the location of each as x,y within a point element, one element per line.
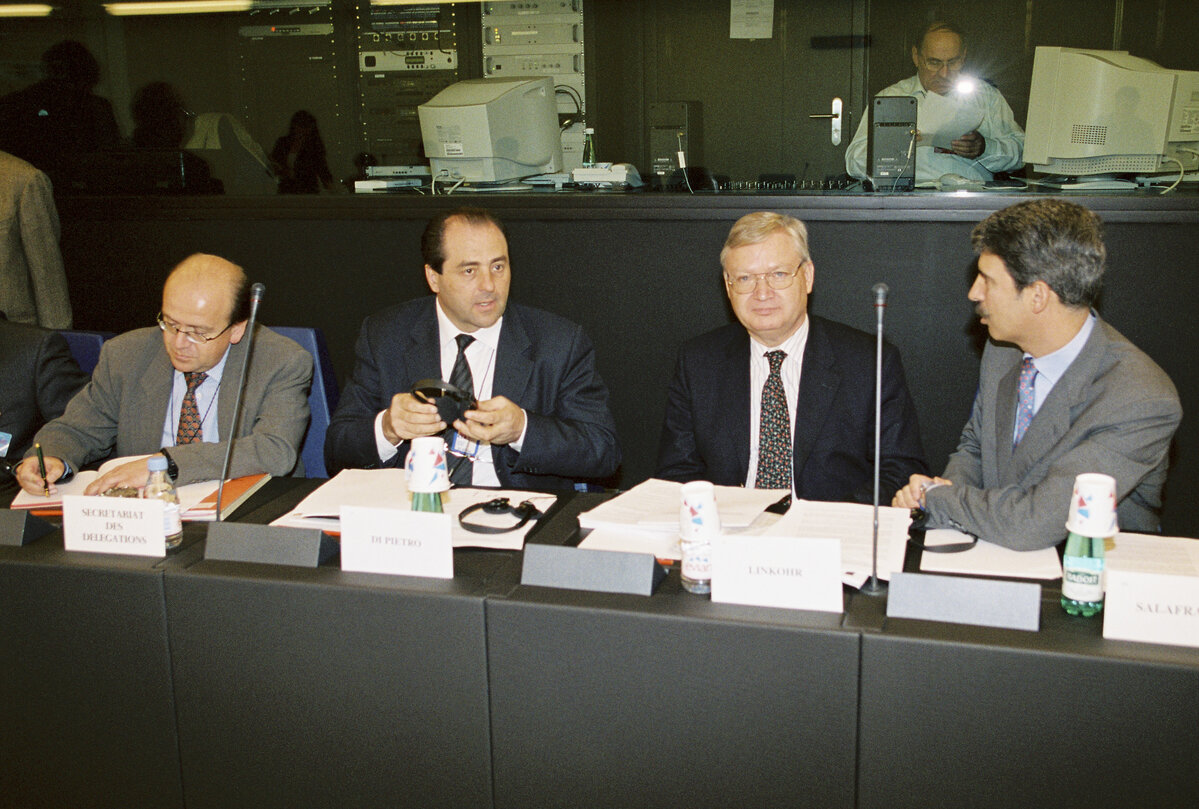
<point>990,141</point>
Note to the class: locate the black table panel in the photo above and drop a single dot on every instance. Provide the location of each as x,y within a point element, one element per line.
<point>604,700</point>
<point>969,716</point>
<point>87,713</point>
<point>321,688</point>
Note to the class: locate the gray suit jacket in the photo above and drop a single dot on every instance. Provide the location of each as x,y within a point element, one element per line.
<point>1113,411</point>
<point>121,411</point>
<point>33,285</point>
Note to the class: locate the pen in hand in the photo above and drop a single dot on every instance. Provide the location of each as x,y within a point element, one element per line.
<point>41,468</point>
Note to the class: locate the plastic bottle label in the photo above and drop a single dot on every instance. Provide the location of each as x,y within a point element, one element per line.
<point>171,524</point>
<point>697,561</point>
<point>1082,578</point>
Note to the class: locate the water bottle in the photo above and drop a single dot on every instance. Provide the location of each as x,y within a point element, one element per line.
<point>160,487</point>
<point>589,159</point>
<point>1082,575</point>
<point>699,525</point>
<point>429,502</point>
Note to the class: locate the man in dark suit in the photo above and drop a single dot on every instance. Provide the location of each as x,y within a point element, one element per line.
<point>38,377</point>
<point>171,390</point>
<point>784,399</point>
<point>1060,392</point>
<point>542,418</point>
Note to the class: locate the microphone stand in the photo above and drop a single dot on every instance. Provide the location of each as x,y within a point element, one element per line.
<point>256,293</point>
<point>874,586</point>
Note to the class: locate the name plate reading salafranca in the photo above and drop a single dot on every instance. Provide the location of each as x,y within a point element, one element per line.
<point>113,525</point>
<point>1151,608</point>
<point>396,542</point>
<point>788,572</point>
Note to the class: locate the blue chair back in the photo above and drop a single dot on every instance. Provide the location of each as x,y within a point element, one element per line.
<point>321,401</point>
<point>85,346</point>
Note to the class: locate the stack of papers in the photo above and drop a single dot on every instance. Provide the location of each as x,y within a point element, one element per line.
<point>386,488</point>
<point>645,519</point>
<point>1146,553</point>
<point>988,559</point>
<point>197,501</point>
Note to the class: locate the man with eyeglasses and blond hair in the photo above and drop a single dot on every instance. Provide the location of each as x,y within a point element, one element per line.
<point>943,94</point>
<point>784,400</point>
<point>171,390</point>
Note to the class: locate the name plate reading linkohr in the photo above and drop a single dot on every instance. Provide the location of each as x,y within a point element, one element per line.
<point>113,525</point>
<point>396,542</point>
<point>1151,608</point>
<point>788,572</point>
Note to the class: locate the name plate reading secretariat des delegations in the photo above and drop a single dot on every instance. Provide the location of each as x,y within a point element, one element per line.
<point>122,525</point>
<point>396,542</point>
<point>787,572</point>
<point>1151,608</point>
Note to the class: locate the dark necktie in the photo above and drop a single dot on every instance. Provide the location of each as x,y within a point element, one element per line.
<point>190,430</point>
<point>461,378</point>
<point>1026,396</point>
<point>774,434</point>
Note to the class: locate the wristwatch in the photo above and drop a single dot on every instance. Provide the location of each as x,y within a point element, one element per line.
<point>172,467</point>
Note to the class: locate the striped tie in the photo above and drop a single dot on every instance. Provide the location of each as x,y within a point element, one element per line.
<point>190,430</point>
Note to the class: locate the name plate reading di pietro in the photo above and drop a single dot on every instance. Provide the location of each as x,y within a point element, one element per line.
<point>788,572</point>
<point>396,542</point>
<point>123,525</point>
<point>1151,608</point>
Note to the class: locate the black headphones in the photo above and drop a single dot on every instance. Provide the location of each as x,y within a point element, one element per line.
<point>451,401</point>
<point>501,505</point>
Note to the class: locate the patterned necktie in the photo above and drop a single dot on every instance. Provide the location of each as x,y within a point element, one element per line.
<point>774,435</point>
<point>461,378</point>
<point>1026,396</point>
<point>190,431</point>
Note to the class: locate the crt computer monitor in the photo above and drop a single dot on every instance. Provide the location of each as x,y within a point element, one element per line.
<point>1107,112</point>
<point>492,130</point>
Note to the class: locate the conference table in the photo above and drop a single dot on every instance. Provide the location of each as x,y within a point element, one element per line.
<point>193,682</point>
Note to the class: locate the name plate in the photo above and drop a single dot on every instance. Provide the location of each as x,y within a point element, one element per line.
<point>123,525</point>
<point>1151,608</point>
<point>788,572</point>
<point>396,542</point>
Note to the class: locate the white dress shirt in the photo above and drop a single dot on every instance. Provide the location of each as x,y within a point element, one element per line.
<point>1004,149</point>
<point>480,355</point>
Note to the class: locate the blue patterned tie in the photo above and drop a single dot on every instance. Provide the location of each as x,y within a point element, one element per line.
<point>774,435</point>
<point>1026,394</point>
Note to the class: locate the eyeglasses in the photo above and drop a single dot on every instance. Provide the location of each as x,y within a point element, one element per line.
<point>191,335</point>
<point>747,282</point>
<point>937,65</point>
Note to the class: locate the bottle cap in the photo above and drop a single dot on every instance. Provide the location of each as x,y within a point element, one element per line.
<point>157,463</point>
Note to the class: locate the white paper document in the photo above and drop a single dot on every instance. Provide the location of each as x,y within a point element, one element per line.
<point>944,119</point>
<point>988,559</point>
<point>1145,553</point>
<point>662,544</point>
<point>853,525</point>
<point>386,488</point>
<point>654,505</point>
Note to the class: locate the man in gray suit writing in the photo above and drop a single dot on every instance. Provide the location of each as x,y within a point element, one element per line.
<point>1060,391</point>
<point>171,390</point>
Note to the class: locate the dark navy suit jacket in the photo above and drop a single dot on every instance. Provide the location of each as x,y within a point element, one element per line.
<point>544,363</point>
<point>706,432</point>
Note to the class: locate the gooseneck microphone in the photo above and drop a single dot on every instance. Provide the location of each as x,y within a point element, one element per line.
<point>256,293</point>
<point>879,291</point>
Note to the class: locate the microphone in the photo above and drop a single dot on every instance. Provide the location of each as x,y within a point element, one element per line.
<point>879,291</point>
<point>256,293</point>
